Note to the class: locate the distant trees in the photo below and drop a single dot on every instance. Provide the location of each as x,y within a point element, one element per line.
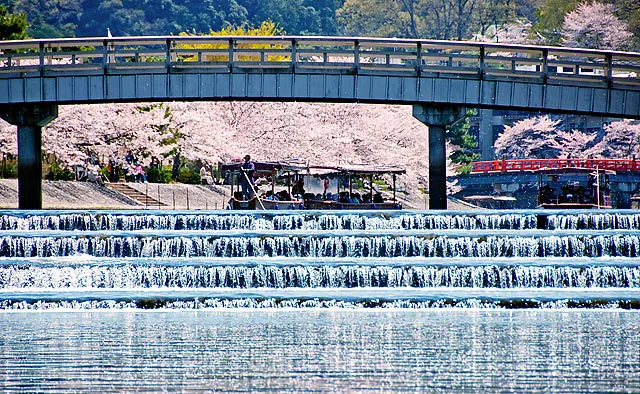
<point>436,19</point>
<point>621,140</point>
<point>461,143</point>
<point>595,25</point>
<point>12,26</point>
<point>51,18</point>
<point>589,24</point>
<point>85,18</point>
<point>550,17</point>
<point>539,137</point>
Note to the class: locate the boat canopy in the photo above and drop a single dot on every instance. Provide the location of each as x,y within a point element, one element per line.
<point>356,169</point>
<point>302,168</point>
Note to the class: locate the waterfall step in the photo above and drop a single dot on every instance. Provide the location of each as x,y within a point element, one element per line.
<point>237,233</point>
<point>376,297</point>
<point>406,259</point>
<point>417,261</point>
<point>323,220</point>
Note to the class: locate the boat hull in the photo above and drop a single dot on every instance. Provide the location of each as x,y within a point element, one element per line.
<point>260,204</point>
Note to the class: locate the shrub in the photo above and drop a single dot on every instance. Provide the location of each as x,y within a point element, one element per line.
<point>57,173</point>
<point>189,175</point>
<point>9,168</point>
<point>158,175</point>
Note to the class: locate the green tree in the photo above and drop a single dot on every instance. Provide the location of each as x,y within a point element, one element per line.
<point>465,143</point>
<point>436,19</point>
<point>378,18</point>
<point>550,17</point>
<point>12,26</point>
<point>50,18</point>
<point>298,17</point>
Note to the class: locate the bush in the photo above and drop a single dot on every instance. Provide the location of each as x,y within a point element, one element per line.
<point>9,168</point>
<point>57,173</point>
<point>158,175</point>
<point>189,175</point>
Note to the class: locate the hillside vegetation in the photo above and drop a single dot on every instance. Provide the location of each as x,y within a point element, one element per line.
<point>591,24</point>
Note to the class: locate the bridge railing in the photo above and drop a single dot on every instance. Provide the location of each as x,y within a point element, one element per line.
<point>518,165</point>
<point>357,55</point>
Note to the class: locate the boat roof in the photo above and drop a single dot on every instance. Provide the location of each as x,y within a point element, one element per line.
<point>264,166</point>
<point>357,169</point>
<point>299,166</point>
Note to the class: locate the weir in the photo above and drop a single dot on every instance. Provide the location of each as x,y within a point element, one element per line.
<point>155,259</point>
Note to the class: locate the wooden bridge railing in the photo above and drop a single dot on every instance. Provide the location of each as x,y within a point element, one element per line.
<point>478,167</point>
<point>389,56</point>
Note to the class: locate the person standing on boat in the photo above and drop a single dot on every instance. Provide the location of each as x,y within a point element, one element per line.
<point>247,170</point>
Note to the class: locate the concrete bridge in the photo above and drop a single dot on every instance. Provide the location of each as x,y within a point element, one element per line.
<point>438,78</point>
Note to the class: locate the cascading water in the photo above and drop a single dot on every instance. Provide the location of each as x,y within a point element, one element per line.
<point>314,259</point>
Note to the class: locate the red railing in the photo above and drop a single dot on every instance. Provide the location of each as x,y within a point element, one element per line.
<point>503,165</point>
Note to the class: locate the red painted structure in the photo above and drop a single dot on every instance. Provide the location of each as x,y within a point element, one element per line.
<point>481,167</point>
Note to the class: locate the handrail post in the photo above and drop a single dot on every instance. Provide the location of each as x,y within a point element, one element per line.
<point>294,54</point>
<point>231,55</point>
<point>608,61</point>
<point>482,66</point>
<point>167,59</point>
<point>419,59</point>
<point>545,65</point>
<point>356,55</point>
<point>41,55</point>
<point>105,55</point>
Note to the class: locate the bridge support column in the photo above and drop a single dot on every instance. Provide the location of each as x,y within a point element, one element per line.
<point>30,118</point>
<point>438,118</point>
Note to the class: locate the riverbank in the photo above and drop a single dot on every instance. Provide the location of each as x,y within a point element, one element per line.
<point>87,195</point>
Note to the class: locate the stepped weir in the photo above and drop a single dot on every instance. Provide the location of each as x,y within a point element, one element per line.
<point>390,259</point>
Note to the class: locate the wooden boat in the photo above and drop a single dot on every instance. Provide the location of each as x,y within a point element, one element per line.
<point>319,180</point>
<point>574,188</point>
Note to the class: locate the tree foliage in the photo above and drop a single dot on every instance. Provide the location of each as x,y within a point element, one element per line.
<point>594,25</point>
<point>621,140</point>
<point>85,18</point>
<point>550,17</point>
<point>462,142</point>
<point>12,26</point>
<point>266,28</point>
<point>437,19</point>
<point>540,138</point>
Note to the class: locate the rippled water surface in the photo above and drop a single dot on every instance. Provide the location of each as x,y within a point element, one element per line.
<point>321,350</point>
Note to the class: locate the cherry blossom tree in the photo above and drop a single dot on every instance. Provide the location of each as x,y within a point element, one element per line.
<point>621,140</point>
<point>539,137</point>
<point>518,31</point>
<point>8,139</point>
<point>212,132</point>
<point>595,25</point>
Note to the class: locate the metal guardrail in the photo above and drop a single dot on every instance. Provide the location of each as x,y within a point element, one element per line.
<point>481,167</point>
<point>332,54</point>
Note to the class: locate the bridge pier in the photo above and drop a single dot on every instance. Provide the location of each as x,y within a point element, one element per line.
<point>30,118</point>
<point>438,118</point>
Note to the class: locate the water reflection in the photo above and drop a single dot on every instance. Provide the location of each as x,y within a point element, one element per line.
<point>321,350</point>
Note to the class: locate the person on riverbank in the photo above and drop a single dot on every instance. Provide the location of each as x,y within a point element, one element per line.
<point>139,174</point>
<point>247,172</point>
<point>205,176</point>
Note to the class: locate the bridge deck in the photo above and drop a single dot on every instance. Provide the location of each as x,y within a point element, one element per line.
<point>85,70</point>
